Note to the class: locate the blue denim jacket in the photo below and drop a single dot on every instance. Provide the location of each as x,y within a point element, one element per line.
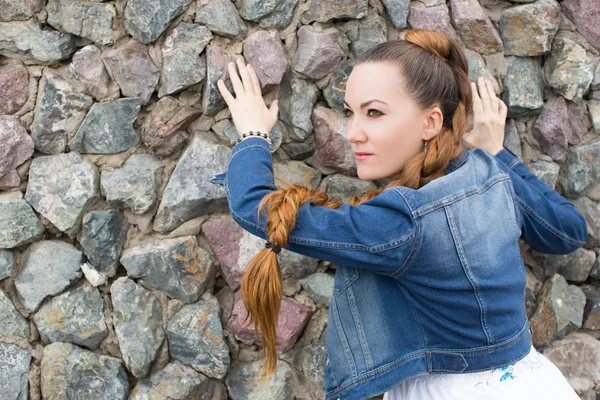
<point>429,280</point>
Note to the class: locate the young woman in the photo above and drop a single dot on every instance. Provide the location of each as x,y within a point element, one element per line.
<point>428,299</point>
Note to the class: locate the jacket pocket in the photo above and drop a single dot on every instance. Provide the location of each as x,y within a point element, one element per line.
<point>219,179</point>
<point>344,277</point>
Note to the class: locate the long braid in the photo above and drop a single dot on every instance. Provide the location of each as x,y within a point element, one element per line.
<point>261,285</point>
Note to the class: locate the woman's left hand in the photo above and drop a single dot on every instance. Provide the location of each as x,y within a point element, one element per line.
<point>248,109</point>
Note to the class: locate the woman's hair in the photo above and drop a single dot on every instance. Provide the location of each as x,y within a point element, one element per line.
<point>434,71</point>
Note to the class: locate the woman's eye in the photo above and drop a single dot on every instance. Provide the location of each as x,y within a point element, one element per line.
<point>376,115</point>
<point>347,112</point>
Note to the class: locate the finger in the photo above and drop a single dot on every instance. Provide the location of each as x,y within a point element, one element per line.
<point>493,97</point>
<point>238,88</point>
<point>248,86</point>
<point>225,92</point>
<point>477,107</point>
<point>484,95</point>
<point>255,80</point>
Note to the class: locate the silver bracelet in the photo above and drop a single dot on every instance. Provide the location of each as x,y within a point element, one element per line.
<point>254,134</point>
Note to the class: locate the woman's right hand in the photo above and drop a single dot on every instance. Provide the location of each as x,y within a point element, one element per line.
<point>489,119</point>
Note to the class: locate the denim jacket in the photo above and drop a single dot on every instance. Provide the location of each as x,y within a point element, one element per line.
<point>429,280</point>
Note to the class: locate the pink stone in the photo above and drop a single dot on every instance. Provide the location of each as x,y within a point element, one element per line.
<point>475,27</point>
<point>585,14</point>
<point>432,18</point>
<point>88,67</point>
<point>333,150</point>
<point>264,51</point>
<point>552,129</point>
<point>317,54</point>
<point>17,147</point>
<point>224,235</point>
<point>14,83</point>
<point>293,317</point>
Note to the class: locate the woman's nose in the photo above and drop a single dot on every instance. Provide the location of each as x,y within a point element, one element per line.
<point>355,133</point>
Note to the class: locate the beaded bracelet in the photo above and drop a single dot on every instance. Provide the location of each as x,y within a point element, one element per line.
<point>257,133</point>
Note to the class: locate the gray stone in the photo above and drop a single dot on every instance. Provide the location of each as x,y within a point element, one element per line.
<point>196,338</point>
<point>591,312</point>
<point>581,170</point>
<point>317,54</point>
<point>138,324</point>
<point>594,109</point>
<point>475,27</point>
<point>87,66</point>
<point>324,11</point>
<point>568,69</point>
<point>527,30</point>
<point>397,12</point>
<point>7,264</point>
<point>478,68</point>
<point>145,20</point>
<point>70,372</point>
<point>108,128</point>
<point>367,33</point>
<point>319,287</point>
<point>559,311</point>
<point>183,66</point>
<point>512,139</point>
<point>189,194</point>
<point>61,187</point>
<point>596,81</point>
<point>132,68</point>
<point>313,360</point>
<point>135,184</point>
<point>14,87</point>
<point>296,100</point>
<point>216,68</point>
<point>336,89</point>
<point>221,17</point>
<point>591,212</point>
<point>13,326</point>
<point>290,171</point>
<point>59,110</point>
<point>19,10</point>
<point>14,372</point>
<point>103,235</point>
<point>264,51</point>
<point>178,267</point>
<point>17,147</point>
<point>47,268</point>
<point>75,316</point>
<point>523,88</point>
<point>269,14</point>
<point>298,151</point>
<point>279,386</point>
<point>333,150</point>
<point>92,21</point>
<point>177,381</point>
<point>18,224</point>
<point>343,188</point>
<point>577,356</point>
<point>575,267</point>
<point>546,171</point>
<point>27,42</point>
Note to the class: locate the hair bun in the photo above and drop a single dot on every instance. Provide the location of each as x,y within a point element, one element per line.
<point>434,42</point>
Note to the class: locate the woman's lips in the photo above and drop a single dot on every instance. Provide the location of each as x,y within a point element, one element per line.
<point>362,156</point>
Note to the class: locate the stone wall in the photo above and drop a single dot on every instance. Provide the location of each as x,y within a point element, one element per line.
<point>119,264</point>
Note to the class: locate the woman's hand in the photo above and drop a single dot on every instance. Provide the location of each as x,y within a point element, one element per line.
<point>489,119</point>
<point>248,109</point>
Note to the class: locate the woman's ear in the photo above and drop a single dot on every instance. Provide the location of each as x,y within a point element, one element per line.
<point>434,119</point>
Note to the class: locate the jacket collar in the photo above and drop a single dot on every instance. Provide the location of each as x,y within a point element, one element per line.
<point>457,162</point>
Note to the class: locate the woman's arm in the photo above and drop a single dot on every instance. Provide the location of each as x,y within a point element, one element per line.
<point>550,223</point>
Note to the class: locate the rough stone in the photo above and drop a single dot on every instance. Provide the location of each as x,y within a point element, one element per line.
<point>475,27</point>
<point>7,264</point>
<point>512,138</point>
<point>18,224</point>
<point>435,18</point>
<point>71,372</point>
<point>584,14</point>
<point>317,54</point>
<point>397,12</point>
<point>178,267</point>
<point>75,316</point>
<point>594,110</point>
<point>527,30</point>
<point>221,17</point>
<point>13,327</point>
<point>27,42</point>
<point>145,20</point>
<point>581,170</point>
<point>196,338</point>
<point>135,184</point>
<point>574,267</point>
<point>19,10</point>
<point>319,287</point>
<point>17,147</point>
<point>14,88</point>
<point>552,129</point>
<point>591,312</point>
<point>342,188</point>
<point>591,212</point>
<point>296,100</point>
<point>523,88</point>
<point>133,70</point>
<point>90,20</point>
<point>313,360</point>
<point>59,111</point>
<point>14,372</point>
<point>108,128</point>
<point>269,14</point>
<point>279,386</point>
<point>103,235</point>
<point>568,69</point>
<point>216,68</point>
<point>366,33</point>
<point>62,204</point>
<point>324,11</point>
<point>290,171</point>
<point>478,68</point>
<point>47,268</point>
<point>336,89</point>
<point>138,324</point>
<point>189,193</point>
<point>87,66</point>
<point>264,51</point>
<point>546,171</point>
<point>333,150</point>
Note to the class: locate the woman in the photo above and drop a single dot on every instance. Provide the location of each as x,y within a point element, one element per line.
<point>430,280</point>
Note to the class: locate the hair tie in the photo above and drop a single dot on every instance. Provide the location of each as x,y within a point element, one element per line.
<point>273,247</point>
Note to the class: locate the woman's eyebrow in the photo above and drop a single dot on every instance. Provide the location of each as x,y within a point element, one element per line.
<point>366,103</point>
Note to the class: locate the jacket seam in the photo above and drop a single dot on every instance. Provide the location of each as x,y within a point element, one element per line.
<point>413,250</point>
<point>343,339</point>
<point>364,345</point>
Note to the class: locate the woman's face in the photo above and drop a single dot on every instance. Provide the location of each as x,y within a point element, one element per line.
<point>383,121</point>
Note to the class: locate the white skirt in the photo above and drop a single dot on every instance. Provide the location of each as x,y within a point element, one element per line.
<point>532,377</point>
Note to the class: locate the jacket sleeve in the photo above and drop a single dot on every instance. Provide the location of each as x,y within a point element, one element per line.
<point>378,234</point>
<point>550,223</point>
